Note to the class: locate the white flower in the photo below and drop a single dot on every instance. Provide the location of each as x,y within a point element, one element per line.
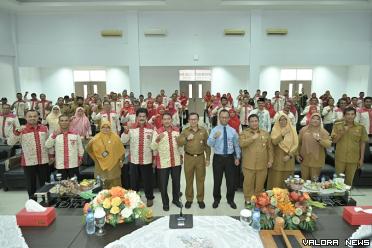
<point>134,199</point>
<point>308,214</point>
<point>310,208</point>
<point>126,213</point>
<point>307,219</point>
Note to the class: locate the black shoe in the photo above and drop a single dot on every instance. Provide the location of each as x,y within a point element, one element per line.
<point>188,204</point>
<point>150,203</point>
<point>165,208</point>
<point>232,204</point>
<point>215,204</point>
<point>201,205</point>
<point>177,203</point>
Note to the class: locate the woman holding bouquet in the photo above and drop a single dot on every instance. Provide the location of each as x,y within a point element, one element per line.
<point>107,152</point>
<point>313,139</point>
<point>285,141</point>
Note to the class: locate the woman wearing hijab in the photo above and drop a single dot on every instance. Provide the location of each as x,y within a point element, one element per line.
<point>230,100</point>
<point>80,123</point>
<point>234,121</point>
<point>306,120</point>
<point>285,142</point>
<point>313,139</point>
<point>150,109</point>
<point>107,152</point>
<point>52,119</point>
<point>156,120</point>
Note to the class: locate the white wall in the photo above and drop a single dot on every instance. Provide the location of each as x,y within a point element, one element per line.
<point>333,78</point>
<point>357,80</point>
<point>337,40</point>
<point>194,33</point>
<point>30,79</point>
<point>7,82</point>
<point>6,34</point>
<point>117,79</point>
<point>230,79</point>
<point>56,82</point>
<point>224,79</point>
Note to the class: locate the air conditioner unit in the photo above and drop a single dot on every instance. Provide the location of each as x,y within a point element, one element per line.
<point>155,32</point>
<point>276,31</point>
<point>234,32</point>
<point>111,33</point>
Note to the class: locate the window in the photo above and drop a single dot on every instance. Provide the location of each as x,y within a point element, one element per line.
<point>290,90</point>
<point>90,76</point>
<point>85,91</point>
<point>190,90</point>
<point>200,91</point>
<point>195,75</point>
<point>296,75</point>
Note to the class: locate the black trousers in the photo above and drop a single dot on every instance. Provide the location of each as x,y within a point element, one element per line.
<point>223,164</point>
<point>164,173</point>
<point>125,178</point>
<point>33,173</point>
<point>328,127</point>
<point>69,173</point>
<point>144,173</point>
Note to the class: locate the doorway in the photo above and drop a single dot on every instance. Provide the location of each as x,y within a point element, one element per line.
<point>294,86</point>
<point>89,88</point>
<point>195,91</point>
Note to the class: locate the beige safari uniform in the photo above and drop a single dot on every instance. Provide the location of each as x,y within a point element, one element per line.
<point>348,148</point>
<point>310,165</point>
<point>256,154</point>
<point>196,153</point>
<point>280,170</point>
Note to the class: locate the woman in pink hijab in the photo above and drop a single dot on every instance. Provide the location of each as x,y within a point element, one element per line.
<point>80,123</point>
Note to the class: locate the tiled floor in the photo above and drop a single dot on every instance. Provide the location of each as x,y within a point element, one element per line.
<point>12,201</point>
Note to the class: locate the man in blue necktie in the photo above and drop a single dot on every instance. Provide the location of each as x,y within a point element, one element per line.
<point>225,142</point>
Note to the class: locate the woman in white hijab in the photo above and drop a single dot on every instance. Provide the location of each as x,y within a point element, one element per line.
<point>52,119</point>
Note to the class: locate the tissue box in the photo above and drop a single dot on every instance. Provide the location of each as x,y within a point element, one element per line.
<point>45,218</point>
<point>357,218</point>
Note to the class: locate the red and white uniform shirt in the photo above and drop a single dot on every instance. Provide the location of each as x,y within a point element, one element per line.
<point>7,122</point>
<point>32,140</point>
<point>116,106</point>
<point>339,114</point>
<point>139,139</point>
<point>68,149</point>
<point>184,102</point>
<point>111,116</point>
<point>364,117</point>
<point>33,104</point>
<point>244,112</point>
<point>20,107</point>
<point>168,152</point>
<point>43,108</point>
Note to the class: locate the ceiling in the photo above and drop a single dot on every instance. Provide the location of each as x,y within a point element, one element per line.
<point>69,5</point>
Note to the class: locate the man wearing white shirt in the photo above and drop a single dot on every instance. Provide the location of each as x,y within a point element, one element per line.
<point>109,115</point>
<point>312,102</point>
<point>277,102</point>
<point>263,115</point>
<point>216,111</point>
<point>244,111</point>
<point>287,112</point>
<point>8,121</point>
<point>340,109</point>
<point>329,115</point>
<point>20,107</point>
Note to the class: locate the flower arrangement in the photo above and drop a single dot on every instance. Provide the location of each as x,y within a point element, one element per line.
<point>295,208</point>
<point>120,205</point>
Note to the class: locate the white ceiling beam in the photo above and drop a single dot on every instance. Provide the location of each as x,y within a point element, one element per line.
<point>295,3</point>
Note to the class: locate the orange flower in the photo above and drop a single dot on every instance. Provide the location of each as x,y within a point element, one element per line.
<point>306,196</point>
<point>287,208</point>
<point>117,192</point>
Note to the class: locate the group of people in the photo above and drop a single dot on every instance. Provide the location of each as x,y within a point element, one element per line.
<point>259,136</point>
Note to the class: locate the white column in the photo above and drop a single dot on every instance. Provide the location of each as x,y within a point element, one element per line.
<point>255,67</point>
<point>134,66</point>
